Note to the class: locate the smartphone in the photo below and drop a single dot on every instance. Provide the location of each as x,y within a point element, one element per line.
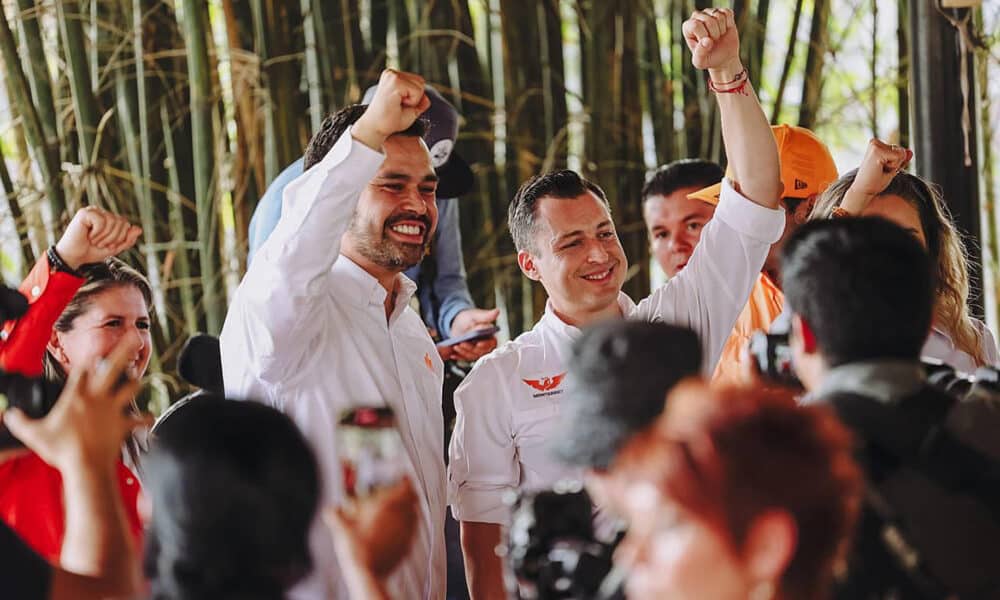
<point>370,450</point>
<point>473,336</point>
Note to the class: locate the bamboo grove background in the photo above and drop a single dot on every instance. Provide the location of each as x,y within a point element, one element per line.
<point>179,112</point>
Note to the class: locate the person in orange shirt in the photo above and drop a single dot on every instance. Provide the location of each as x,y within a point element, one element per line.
<point>678,201</point>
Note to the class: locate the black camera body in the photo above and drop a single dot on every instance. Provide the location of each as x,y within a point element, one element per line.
<point>32,396</point>
<point>551,547</point>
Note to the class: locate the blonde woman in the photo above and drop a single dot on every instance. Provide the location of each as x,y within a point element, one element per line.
<point>880,188</point>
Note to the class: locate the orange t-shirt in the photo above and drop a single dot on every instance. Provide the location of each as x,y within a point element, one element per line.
<point>763,307</point>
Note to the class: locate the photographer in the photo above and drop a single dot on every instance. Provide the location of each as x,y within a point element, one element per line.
<point>81,437</point>
<point>83,304</point>
<point>861,293</point>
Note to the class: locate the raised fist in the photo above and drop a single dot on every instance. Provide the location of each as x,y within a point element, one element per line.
<point>713,40</point>
<point>95,234</point>
<point>878,168</point>
<point>399,100</point>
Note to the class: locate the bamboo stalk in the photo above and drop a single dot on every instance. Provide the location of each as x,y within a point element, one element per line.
<point>38,71</point>
<point>19,91</point>
<point>313,78</point>
<point>786,69</point>
<point>178,235</point>
<point>903,77</point>
<point>812,85</point>
<point>194,24</point>
<point>81,85</point>
<point>14,206</point>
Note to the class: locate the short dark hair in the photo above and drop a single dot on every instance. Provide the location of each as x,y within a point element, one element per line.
<point>865,287</point>
<point>235,488</point>
<point>336,124</point>
<point>563,184</point>
<point>687,172</point>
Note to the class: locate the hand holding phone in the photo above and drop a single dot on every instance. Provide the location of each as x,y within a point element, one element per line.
<point>370,450</point>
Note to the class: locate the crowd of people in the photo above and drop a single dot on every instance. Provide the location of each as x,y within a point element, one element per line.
<point>333,455</point>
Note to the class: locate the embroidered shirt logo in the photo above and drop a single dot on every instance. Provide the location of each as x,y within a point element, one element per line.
<point>428,361</point>
<point>546,385</point>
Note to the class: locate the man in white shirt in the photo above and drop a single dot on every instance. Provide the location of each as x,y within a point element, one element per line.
<point>322,322</point>
<point>509,405</point>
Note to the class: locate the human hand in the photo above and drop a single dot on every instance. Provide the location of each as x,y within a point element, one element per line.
<point>87,425</point>
<point>399,100</point>
<point>95,234</point>
<point>465,321</point>
<point>714,43</point>
<point>373,534</point>
<point>878,168</point>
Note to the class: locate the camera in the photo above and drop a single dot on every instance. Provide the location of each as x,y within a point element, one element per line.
<point>772,354</point>
<point>33,396</point>
<point>551,548</point>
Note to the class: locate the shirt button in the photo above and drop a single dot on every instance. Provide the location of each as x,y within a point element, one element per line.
<point>36,291</point>
<point>129,481</point>
<point>3,335</point>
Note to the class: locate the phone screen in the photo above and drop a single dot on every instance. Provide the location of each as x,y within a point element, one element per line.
<point>370,450</point>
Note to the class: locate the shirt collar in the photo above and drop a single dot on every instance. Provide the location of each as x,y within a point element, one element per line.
<point>363,289</point>
<point>883,380</point>
<point>551,320</point>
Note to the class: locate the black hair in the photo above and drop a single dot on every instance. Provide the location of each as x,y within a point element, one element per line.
<point>865,287</point>
<point>563,184</point>
<point>235,489</point>
<point>687,172</point>
<point>336,124</point>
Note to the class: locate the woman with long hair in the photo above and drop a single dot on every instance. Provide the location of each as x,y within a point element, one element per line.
<point>83,304</point>
<point>737,494</point>
<point>879,187</point>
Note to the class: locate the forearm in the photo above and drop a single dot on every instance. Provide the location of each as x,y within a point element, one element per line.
<point>750,147</point>
<point>483,568</point>
<point>97,542</point>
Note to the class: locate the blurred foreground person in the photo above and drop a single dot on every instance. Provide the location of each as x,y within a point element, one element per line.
<point>880,188</point>
<point>234,489</point>
<point>83,304</point>
<point>80,438</point>
<point>736,494</point>
<point>861,292</point>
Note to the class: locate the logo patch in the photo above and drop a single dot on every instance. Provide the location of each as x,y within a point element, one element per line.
<point>441,152</point>
<point>800,185</point>
<point>546,386</point>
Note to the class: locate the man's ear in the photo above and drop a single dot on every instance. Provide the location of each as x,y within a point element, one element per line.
<point>770,545</point>
<point>527,263</point>
<point>804,209</point>
<point>802,330</point>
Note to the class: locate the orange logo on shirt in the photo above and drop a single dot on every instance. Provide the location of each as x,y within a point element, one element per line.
<point>545,383</point>
<point>428,361</point>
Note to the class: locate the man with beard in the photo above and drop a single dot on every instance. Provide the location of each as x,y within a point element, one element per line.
<point>321,323</point>
<point>509,405</point>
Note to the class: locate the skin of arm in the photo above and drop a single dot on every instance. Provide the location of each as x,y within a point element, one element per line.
<point>483,568</point>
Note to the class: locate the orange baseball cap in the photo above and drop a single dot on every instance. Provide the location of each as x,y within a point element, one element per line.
<point>807,167</point>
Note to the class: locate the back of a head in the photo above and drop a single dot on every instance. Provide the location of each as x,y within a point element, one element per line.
<point>684,173</point>
<point>235,488</point>
<point>864,286</point>
<point>619,374</point>
<point>731,455</point>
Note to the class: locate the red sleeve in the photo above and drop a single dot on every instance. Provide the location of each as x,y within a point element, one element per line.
<point>23,341</point>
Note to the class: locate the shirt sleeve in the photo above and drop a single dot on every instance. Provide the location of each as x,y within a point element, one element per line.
<point>25,574</point>
<point>450,286</point>
<point>273,312</point>
<point>483,460</point>
<point>711,291</point>
<point>24,340</point>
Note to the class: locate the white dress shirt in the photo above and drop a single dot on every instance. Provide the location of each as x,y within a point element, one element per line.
<point>307,334</point>
<point>508,406</point>
<point>940,346</point>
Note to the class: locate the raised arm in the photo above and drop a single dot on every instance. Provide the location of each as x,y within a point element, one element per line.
<point>272,313</point>
<point>714,42</point>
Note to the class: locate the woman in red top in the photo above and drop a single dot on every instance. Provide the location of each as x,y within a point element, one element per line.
<point>83,303</point>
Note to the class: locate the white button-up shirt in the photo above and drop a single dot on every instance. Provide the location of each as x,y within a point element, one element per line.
<point>307,334</point>
<point>940,346</point>
<point>508,406</point>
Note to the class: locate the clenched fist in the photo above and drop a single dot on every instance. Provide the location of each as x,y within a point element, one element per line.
<point>95,234</point>
<point>399,100</point>
<point>714,43</point>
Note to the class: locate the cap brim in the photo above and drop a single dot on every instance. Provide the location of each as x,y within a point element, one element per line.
<point>709,194</point>
<point>455,178</point>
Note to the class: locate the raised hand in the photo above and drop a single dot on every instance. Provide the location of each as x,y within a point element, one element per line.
<point>878,168</point>
<point>86,427</point>
<point>399,100</point>
<point>714,43</point>
<point>95,234</point>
